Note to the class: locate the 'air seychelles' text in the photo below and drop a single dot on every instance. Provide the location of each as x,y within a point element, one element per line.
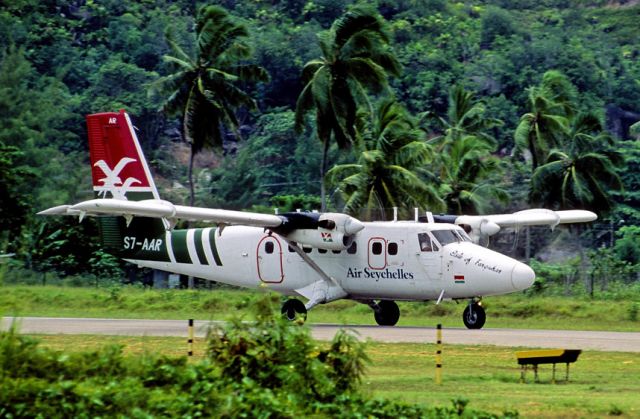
<point>387,273</point>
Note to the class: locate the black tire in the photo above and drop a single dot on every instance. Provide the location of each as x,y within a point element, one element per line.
<point>388,314</point>
<point>293,309</point>
<point>474,316</point>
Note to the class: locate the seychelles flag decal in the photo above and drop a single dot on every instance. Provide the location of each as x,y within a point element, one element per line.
<point>326,237</point>
<point>459,279</point>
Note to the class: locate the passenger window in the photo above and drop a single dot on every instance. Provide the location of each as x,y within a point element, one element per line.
<point>291,248</point>
<point>353,248</point>
<point>307,249</point>
<point>268,247</point>
<point>392,248</point>
<point>323,251</point>
<point>376,248</point>
<point>336,252</point>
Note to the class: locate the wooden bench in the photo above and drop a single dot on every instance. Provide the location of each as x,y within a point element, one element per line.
<point>546,356</point>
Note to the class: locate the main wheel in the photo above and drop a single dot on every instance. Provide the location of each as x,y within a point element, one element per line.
<point>474,316</point>
<point>388,313</point>
<point>293,309</point>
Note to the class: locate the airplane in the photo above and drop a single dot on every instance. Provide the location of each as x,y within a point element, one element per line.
<point>319,257</point>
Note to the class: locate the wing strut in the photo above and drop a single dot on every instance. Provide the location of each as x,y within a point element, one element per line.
<point>319,292</point>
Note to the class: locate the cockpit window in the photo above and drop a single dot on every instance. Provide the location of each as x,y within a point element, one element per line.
<point>446,237</point>
<point>426,243</point>
<point>462,235</point>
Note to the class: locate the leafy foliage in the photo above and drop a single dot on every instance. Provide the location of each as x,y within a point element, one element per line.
<point>264,369</point>
<point>62,60</point>
<point>355,60</point>
<point>393,154</point>
<point>205,90</point>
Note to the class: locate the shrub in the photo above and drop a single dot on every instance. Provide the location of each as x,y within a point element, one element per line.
<point>266,368</point>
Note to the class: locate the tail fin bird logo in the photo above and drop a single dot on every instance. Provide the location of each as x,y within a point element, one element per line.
<point>112,182</point>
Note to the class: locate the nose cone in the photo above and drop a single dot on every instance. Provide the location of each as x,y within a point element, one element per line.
<point>522,276</point>
<point>352,226</point>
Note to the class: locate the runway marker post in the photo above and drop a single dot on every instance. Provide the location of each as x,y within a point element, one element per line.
<point>190,340</point>
<point>439,354</point>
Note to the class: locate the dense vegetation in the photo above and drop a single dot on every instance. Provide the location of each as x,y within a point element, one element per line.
<point>452,106</point>
<point>270,368</point>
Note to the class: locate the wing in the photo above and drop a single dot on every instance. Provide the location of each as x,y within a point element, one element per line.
<point>301,227</point>
<point>164,209</point>
<point>487,225</point>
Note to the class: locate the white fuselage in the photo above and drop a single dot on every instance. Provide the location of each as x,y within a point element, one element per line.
<point>390,260</point>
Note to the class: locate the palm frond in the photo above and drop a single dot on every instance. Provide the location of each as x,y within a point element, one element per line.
<point>354,21</point>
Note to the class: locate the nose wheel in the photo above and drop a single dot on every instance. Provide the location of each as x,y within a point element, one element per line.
<point>293,309</point>
<point>474,316</point>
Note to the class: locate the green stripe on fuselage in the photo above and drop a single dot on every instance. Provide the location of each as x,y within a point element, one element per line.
<point>179,245</point>
<point>214,249</point>
<point>197,238</point>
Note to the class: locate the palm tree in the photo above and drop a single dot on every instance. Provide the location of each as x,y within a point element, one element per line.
<point>467,170</point>
<point>544,127</point>
<point>355,59</point>
<point>465,116</point>
<point>387,172</point>
<point>469,175</point>
<point>581,175</point>
<point>205,88</point>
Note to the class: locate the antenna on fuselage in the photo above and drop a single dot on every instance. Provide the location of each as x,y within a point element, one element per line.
<point>430,219</point>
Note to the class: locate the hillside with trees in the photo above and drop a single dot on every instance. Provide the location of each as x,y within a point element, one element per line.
<point>457,107</point>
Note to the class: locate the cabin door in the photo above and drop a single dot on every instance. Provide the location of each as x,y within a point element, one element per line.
<point>269,260</point>
<point>430,256</point>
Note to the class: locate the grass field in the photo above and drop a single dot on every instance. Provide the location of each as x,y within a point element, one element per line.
<point>602,384</point>
<point>514,311</point>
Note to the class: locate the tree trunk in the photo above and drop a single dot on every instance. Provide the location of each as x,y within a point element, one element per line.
<point>323,172</point>
<point>190,175</point>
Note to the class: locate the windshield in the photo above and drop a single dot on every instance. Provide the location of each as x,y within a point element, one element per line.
<point>463,235</point>
<point>446,237</point>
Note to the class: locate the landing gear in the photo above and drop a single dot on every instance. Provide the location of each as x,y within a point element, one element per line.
<point>474,316</point>
<point>386,313</point>
<point>293,309</point>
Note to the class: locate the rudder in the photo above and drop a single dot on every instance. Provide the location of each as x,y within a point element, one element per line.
<point>120,171</point>
<point>119,168</point>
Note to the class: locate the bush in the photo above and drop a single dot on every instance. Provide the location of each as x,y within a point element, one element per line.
<point>266,368</point>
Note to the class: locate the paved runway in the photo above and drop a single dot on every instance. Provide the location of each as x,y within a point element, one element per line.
<point>569,339</point>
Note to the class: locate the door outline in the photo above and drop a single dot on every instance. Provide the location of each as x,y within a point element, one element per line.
<point>374,258</point>
<point>267,273</point>
<point>431,260</point>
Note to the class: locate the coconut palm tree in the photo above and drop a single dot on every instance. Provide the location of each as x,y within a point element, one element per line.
<point>205,88</point>
<point>355,60</point>
<point>583,173</point>
<point>544,127</point>
<point>465,116</point>
<point>389,169</point>
<point>464,164</point>
<point>470,175</point>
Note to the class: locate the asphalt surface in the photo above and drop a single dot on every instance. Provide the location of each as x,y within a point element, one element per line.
<point>567,339</point>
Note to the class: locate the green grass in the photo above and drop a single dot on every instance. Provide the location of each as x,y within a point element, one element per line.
<point>512,311</point>
<point>602,384</point>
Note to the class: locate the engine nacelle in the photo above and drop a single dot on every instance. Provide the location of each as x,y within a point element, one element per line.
<point>322,238</point>
<point>330,231</point>
<point>478,227</point>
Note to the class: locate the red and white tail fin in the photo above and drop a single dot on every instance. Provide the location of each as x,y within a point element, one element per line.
<point>119,169</point>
